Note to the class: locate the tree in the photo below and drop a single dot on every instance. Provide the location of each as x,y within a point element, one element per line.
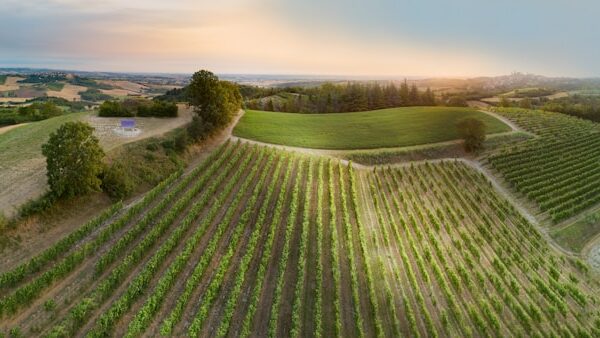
<point>270,105</point>
<point>428,98</point>
<point>457,101</point>
<point>525,103</point>
<point>73,160</point>
<point>413,95</point>
<point>404,93</point>
<point>213,100</point>
<point>117,182</point>
<point>472,131</point>
<point>504,102</point>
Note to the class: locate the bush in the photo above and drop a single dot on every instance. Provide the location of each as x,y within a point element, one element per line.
<point>153,146</point>
<point>116,182</point>
<point>138,107</point>
<point>158,109</point>
<point>49,305</point>
<point>37,206</point>
<point>198,130</point>
<point>3,222</point>
<point>181,141</point>
<point>113,109</point>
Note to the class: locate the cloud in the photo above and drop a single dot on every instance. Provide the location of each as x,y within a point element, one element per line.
<point>332,37</point>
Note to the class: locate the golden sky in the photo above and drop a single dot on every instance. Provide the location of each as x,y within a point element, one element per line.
<point>378,37</point>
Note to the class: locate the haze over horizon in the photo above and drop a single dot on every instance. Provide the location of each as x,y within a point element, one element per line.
<point>463,38</point>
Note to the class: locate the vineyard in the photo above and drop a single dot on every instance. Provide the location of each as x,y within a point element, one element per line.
<point>262,242</point>
<point>560,169</point>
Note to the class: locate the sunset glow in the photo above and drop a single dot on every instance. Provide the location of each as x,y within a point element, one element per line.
<point>266,36</point>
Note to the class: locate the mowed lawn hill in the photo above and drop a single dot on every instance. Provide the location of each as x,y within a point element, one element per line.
<point>395,127</point>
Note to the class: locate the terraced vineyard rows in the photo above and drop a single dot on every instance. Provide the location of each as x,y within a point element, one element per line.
<point>560,170</point>
<point>457,260</point>
<point>262,242</point>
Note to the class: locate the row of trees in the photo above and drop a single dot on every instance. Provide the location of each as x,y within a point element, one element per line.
<point>137,107</point>
<point>336,98</point>
<point>587,107</point>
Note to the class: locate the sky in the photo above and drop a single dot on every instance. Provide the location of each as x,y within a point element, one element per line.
<point>459,38</point>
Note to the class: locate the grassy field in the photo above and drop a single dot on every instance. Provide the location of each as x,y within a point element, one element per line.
<point>22,163</point>
<point>575,236</point>
<point>396,127</point>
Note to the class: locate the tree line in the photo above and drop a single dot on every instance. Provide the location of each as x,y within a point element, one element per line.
<point>137,107</point>
<point>337,98</point>
<point>582,106</point>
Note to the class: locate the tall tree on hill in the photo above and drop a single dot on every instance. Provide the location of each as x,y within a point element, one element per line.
<point>472,131</point>
<point>428,98</point>
<point>214,101</point>
<point>270,105</point>
<point>404,93</point>
<point>377,99</point>
<point>73,160</point>
<point>413,95</point>
<point>392,95</point>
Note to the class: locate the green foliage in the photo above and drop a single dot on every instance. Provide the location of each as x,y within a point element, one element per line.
<point>36,263</point>
<point>113,109</point>
<point>73,160</point>
<point>49,305</point>
<point>472,131</point>
<point>15,332</point>
<point>457,101</point>
<point>38,205</point>
<point>214,100</point>
<point>337,98</point>
<point>587,107</point>
<point>138,107</point>
<point>87,82</point>
<point>174,95</point>
<point>37,111</point>
<point>44,78</point>
<point>116,181</point>
<point>158,109</point>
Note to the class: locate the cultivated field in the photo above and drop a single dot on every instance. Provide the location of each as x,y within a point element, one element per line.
<point>68,92</point>
<point>559,169</point>
<point>395,127</point>
<point>10,83</point>
<point>262,242</point>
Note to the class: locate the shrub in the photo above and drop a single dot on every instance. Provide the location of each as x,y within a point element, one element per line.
<point>198,129</point>
<point>114,109</point>
<point>37,206</point>
<point>158,109</point>
<point>116,182</point>
<point>181,141</point>
<point>49,305</point>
